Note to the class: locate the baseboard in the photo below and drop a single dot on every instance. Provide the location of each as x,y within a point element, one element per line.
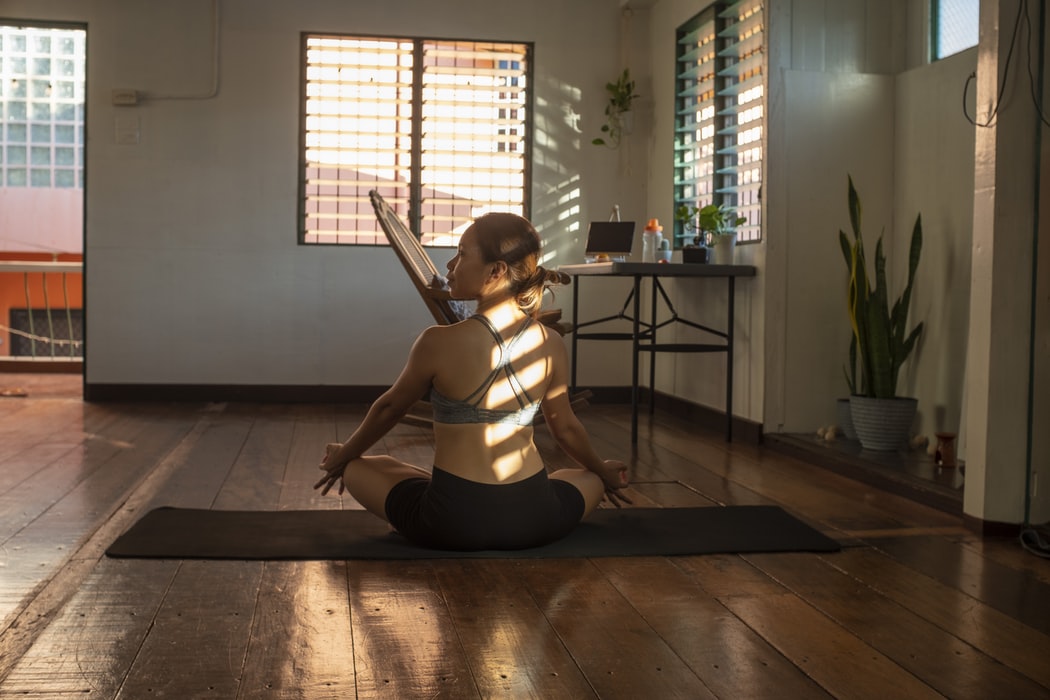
<point>278,393</point>
<point>991,528</point>
<point>705,417</point>
<point>607,394</point>
<point>744,430</point>
<point>252,393</point>
<point>42,365</point>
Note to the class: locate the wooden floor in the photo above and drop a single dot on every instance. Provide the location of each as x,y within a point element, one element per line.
<point>914,606</point>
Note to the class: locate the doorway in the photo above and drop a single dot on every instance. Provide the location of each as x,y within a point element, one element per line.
<point>42,177</point>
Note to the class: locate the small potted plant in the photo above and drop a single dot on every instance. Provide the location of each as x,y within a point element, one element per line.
<point>881,338</point>
<point>689,228</point>
<point>621,98</point>
<point>718,224</point>
<point>664,253</point>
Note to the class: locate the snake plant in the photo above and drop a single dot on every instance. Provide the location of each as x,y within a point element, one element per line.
<point>880,340</point>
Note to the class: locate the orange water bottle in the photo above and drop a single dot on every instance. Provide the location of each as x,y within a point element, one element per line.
<point>651,240</point>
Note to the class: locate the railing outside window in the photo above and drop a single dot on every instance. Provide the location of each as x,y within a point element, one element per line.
<point>42,311</point>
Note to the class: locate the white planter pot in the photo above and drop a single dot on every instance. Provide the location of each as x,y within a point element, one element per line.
<point>882,424</point>
<point>722,249</point>
<point>845,417</point>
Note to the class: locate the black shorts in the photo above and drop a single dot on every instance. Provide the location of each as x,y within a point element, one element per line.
<point>453,513</point>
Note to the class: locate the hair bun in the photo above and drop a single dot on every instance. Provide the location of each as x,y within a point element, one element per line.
<point>545,276</point>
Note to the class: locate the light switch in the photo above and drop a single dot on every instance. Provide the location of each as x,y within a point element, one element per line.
<point>126,129</point>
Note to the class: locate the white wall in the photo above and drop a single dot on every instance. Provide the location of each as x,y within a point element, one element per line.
<point>193,273</point>
<point>41,220</point>
<point>934,176</point>
<point>902,136</point>
<point>909,149</point>
<point>838,125</point>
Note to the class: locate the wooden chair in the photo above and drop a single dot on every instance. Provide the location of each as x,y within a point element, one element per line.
<point>420,268</point>
<point>426,279</point>
<point>425,275</point>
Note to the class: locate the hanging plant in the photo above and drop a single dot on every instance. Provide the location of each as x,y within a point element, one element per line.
<point>621,96</point>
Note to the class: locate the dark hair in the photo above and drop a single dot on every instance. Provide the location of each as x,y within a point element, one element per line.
<point>513,239</point>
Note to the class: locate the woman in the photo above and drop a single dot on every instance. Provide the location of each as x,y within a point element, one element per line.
<point>487,377</point>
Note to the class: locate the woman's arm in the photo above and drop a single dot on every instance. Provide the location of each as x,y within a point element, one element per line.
<point>387,410</point>
<point>567,429</point>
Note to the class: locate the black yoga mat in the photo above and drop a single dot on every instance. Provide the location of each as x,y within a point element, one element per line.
<point>180,533</point>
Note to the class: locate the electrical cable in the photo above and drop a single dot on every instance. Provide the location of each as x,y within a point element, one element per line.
<point>1031,76</point>
<point>1035,543</point>
<point>1006,72</point>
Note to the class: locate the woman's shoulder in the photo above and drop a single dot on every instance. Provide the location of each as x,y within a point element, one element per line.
<point>474,328</point>
<point>444,336</point>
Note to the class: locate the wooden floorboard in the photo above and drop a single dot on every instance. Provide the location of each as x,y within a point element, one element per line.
<point>949,665</point>
<point>1018,594</point>
<point>405,642</point>
<point>512,649</point>
<point>610,640</point>
<point>730,658</point>
<point>61,511</point>
<point>913,606</point>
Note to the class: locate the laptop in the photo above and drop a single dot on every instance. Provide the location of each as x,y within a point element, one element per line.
<point>607,242</point>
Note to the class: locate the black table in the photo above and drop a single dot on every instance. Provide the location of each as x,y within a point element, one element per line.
<point>643,333</point>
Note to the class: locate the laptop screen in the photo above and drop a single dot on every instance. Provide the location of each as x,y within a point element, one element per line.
<point>612,238</point>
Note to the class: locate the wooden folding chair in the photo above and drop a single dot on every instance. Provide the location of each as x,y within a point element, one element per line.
<point>420,268</point>
<point>426,279</point>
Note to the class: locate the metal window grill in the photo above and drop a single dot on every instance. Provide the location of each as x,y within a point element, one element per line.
<point>439,128</point>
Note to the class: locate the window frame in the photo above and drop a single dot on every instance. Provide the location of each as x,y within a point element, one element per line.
<point>410,207</point>
<point>727,159</point>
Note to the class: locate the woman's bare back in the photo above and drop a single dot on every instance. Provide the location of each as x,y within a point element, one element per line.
<point>467,356</point>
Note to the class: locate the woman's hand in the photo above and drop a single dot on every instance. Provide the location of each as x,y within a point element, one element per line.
<point>334,469</point>
<point>614,475</point>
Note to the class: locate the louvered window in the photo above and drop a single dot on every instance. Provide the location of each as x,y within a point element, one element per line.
<point>720,113</point>
<point>694,148</point>
<point>440,128</point>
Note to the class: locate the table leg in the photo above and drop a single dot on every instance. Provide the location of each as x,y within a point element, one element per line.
<point>653,283</point>
<point>575,340</point>
<point>729,362</point>
<point>634,363</point>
